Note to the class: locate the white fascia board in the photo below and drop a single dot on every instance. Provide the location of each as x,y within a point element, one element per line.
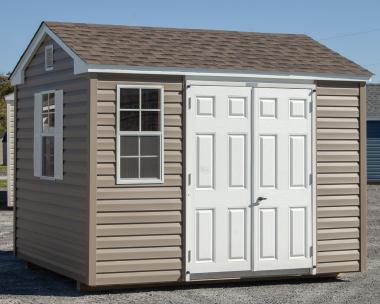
<point>117,69</point>
<point>17,76</point>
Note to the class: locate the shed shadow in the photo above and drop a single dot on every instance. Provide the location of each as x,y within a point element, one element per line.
<point>228,284</point>
<point>17,279</point>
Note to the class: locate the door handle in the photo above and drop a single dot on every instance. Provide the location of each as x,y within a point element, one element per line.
<point>260,198</point>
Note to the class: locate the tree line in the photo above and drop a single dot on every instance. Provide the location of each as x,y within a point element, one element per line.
<point>5,88</point>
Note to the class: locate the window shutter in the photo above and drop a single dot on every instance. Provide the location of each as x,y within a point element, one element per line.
<point>58,135</point>
<point>37,151</point>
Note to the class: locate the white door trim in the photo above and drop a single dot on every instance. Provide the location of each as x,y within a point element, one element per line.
<point>249,82</point>
<point>314,175</point>
<point>189,81</point>
<point>187,181</point>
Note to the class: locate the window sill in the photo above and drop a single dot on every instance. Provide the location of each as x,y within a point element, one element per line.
<point>138,181</point>
<point>48,178</point>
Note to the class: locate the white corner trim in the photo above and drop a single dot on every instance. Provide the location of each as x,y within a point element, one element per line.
<point>17,77</point>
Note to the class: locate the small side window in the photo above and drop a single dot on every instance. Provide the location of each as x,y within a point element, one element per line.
<point>48,135</point>
<point>49,57</point>
<point>140,134</point>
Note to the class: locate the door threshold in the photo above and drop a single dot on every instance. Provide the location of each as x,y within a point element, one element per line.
<point>248,274</point>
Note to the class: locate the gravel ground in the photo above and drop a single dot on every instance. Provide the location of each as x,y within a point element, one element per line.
<point>21,285</point>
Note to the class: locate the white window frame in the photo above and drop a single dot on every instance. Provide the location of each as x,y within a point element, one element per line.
<point>160,133</point>
<point>47,48</point>
<point>56,133</point>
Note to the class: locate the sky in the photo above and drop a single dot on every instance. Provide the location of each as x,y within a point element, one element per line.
<point>350,27</point>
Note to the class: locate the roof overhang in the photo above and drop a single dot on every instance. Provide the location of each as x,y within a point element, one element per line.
<point>117,69</point>
<point>80,67</point>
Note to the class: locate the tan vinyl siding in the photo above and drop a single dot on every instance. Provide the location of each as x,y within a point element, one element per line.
<point>139,227</point>
<point>338,177</point>
<point>51,216</point>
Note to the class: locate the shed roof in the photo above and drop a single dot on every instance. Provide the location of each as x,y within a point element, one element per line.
<point>203,49</point>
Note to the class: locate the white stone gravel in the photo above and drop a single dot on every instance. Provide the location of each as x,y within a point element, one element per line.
<point>21,285</point>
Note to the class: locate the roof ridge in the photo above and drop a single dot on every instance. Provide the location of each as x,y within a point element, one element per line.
<point>172,28</point>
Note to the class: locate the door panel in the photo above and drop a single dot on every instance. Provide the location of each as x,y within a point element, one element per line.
<point>297,232</point>
<point>268,161</point>
<point>297,159</point>
<point>237,234</point>
<point>237,161</point>
<point>205,161</point>
<point>205,235</point>
<point>268,233</point>
<point>219,188</point>
<point>282,152</point>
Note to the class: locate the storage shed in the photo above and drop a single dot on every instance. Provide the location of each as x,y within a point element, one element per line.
<point>154,155</point>
<point>373,132</point>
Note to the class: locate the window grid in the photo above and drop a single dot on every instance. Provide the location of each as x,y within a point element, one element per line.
<point>140,110</point>
<point>138,155</point>
<point>140,133</point>
<point>47,132</point>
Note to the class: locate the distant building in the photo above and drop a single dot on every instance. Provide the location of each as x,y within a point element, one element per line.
<point>9,147</point>
<point>373,131</point>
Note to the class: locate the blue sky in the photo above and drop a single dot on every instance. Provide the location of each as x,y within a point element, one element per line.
<point>350,27</point>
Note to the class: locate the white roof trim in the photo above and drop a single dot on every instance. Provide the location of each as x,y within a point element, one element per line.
<point>80,67</point>
<point>100,68</point>
<point>17,76</point>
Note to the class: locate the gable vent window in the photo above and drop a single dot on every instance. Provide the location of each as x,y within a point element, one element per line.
<point>49,57</point>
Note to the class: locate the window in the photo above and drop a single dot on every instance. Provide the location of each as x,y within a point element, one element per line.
<point>49,57</point>
<point>139,134</point>
<point>48,139</point>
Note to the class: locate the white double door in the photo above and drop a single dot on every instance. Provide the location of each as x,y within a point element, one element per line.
<point>248,181</point>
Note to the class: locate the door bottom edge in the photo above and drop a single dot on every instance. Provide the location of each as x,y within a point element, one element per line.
<point>248,274</point>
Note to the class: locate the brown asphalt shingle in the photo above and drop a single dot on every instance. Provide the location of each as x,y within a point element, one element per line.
<point>209,49</point>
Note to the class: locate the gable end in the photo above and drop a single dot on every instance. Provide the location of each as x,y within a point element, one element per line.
<point>17,75</point>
